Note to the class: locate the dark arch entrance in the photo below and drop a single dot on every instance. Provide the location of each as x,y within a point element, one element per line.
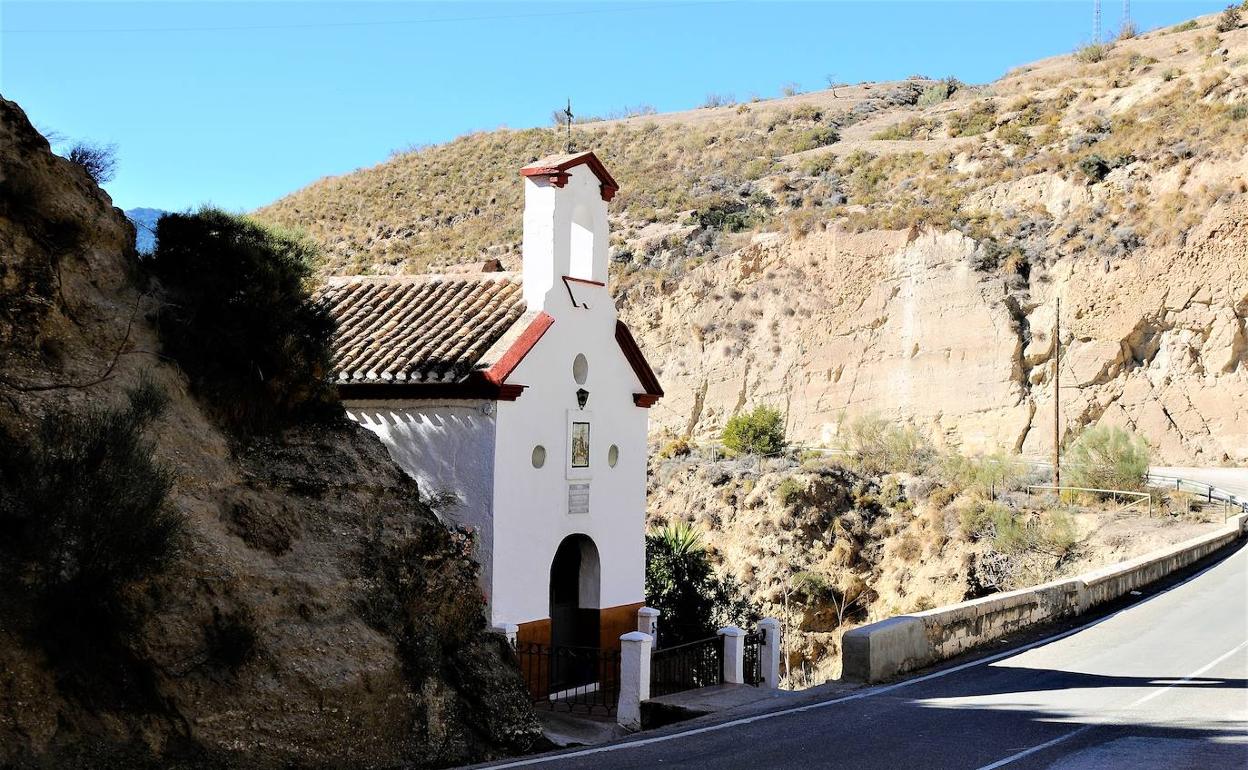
<point>574,609</point>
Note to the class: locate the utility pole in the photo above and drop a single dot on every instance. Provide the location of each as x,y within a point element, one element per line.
<point>1057,394</point>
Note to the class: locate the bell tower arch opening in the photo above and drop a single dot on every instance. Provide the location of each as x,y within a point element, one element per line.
<point>581,242</point>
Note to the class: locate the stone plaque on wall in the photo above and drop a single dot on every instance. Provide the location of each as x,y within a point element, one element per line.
<point>578,498</point>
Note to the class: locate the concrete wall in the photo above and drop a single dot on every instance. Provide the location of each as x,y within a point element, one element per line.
<point>894,646</point>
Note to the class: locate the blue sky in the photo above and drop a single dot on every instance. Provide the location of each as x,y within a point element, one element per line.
<point>237,104</point>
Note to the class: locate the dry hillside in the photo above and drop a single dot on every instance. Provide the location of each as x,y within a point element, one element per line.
<point>826,547</point>
<point>897,247</point>
<point>316,613</point>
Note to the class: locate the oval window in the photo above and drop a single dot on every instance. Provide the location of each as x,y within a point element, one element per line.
<point>580,369</point>
<point>539,456</point>
<point>613,455</point>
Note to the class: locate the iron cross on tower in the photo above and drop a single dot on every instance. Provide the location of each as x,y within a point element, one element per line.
<point>567,115</point>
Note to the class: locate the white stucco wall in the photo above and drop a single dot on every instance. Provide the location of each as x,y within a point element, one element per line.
<point>531,505</point>
<point>444,445</point>
<point>565,233</point>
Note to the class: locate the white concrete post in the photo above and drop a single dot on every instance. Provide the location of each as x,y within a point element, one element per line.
<point>734,654</point>
<point>769,656</point>
<point>634,678</point>
<point>508,630</point>
<point>648,621</point>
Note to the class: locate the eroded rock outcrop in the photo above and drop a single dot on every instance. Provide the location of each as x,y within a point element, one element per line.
<point>318,613</point>
<point>903,324</point>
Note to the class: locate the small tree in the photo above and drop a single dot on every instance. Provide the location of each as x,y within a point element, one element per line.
<point>98,160</point>
<point>1229,20</point>
<point>240,318</point>
<point>760,431</point>
<point>1105,457</point>
<point>680,583</point>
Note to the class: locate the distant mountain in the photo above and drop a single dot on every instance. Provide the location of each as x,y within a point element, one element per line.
<point>145,227</point>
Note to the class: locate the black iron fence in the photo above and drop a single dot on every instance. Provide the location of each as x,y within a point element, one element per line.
<point>687,666</point>
<point>574,679</point>
<point>753,673</point>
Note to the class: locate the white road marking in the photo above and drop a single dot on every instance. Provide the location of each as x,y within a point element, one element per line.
<point>1159,691</point>
<point>856,696</point>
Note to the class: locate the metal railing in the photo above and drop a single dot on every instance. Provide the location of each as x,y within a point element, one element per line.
<point>580,679</point>
<point>753,673</point>
<point>687,666</point>
<point>1209,492</point>
<point>1142,500</point>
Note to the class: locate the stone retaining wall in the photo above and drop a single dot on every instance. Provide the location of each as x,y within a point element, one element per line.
<point>894,646</point>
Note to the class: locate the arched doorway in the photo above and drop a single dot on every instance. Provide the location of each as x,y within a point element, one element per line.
<point>574,609</point>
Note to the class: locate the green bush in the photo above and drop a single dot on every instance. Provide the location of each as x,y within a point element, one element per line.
<point>1051,533</point>
<point>1104,457</point>
<point>939,92</point>
<point>790,491</point>
<point>815,138</point>
<point>729,216</point>
<point>979,119</point>
<point>240,318</point>
<point>681,585</point>
<point>1094,167</point>
<point>986,473</point>
<point>878,446</point>
<point>978,519</point>
<point>1093,53</point>
<point>85,513</point>
<point>677,447</point>
<point>760,431</point>
<point>1190,24</point>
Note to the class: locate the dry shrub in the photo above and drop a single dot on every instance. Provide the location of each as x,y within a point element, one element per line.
<point>877,447</point>
<point>909,547</point>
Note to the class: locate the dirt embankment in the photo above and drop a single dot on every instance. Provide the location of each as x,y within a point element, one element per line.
<point>317,613</point>
<point>825,548</point>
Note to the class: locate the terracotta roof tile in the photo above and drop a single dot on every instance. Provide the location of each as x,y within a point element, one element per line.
<point>406,329</point>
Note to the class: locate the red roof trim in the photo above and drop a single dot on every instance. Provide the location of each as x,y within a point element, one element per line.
<point>637,360</point>
<point>559,175</point>
<point>502,369</point>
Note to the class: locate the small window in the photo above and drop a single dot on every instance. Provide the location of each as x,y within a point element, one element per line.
<point>580,445</point>
<point>539,456</point>
<point>580,368</point>
<point>613,455</point>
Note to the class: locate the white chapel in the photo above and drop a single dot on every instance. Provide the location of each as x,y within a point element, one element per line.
<point>526,397</point>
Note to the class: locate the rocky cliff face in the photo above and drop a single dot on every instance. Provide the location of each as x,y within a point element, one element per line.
<point>901,323</point>
<point>318,613</point>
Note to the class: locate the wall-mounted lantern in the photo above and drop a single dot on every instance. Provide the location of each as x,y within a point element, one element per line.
<point>582,397</point>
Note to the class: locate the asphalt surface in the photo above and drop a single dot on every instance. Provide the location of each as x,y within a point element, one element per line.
<point>1162,683</point>
<point>1233,480</point>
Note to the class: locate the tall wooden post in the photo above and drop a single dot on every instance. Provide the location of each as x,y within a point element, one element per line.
<point>1057,394</point>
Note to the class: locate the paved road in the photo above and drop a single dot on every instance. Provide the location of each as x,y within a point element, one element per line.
<point>1160,684</point>
<point>1233,480</point>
